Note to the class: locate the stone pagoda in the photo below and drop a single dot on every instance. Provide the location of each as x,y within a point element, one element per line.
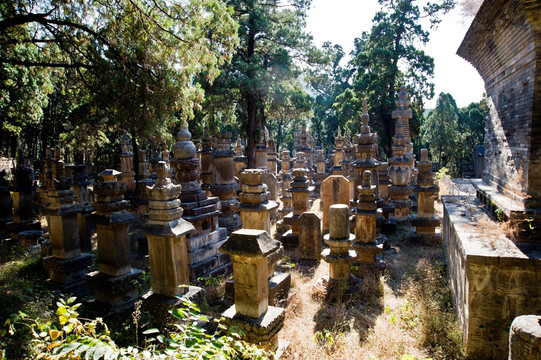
<point>272,160</point>
<point>166,233</point>
<point>321,173</point>
<point>338,154</point>
<point>365,226</point>
<point>260,323</point>
<point>240,160</point>
<point>287,179</point>
<point>113,282</point>
<point>426,221</point>
<point>365,153</point>
<point>255,206</point>
<point>339,254</point>
<point>400,174</point>
<point>404,113</point>
<point>300,191</point>
<point>223,184</point>
<point>126,163</point>
<point>261,154</point>
<point>200,210</point>
<point>67,266</point>
<point>80,186</point>
<point>6,202</point>
<point>255,211</point>
<point>23,205</point>
<point>206,161</point>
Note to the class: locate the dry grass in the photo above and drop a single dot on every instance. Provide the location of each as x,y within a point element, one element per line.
<point>406,311</point>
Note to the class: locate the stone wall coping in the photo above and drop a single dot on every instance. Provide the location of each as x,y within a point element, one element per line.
<point>485,244</point>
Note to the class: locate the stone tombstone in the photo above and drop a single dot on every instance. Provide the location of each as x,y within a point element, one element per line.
<point>309,236</point>
<point>249,251</point>
<point>339,255</point>
<point>113,282</point>
<point>271,181</point>
<point>334,190</point>
<point>199,209</point>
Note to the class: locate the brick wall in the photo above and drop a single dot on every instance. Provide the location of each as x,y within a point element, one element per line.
<point>493,279</point>
<point>503,44</point>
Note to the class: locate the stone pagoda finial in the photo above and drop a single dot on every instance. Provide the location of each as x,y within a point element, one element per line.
<point>403,101</point>
<point>184,148</point>
<point>239,148</point>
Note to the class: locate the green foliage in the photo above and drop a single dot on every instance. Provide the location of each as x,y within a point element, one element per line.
<point>135,60</point>
<point>386,57</point>
<point>451,133</point>
<point>72,337</point>
<point>261,80</point>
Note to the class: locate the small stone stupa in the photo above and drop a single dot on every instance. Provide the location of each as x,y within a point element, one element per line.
<point>365,153</point>
<point>166,233</point>
<point>113,282</point>
<point>260,323</point>
<point>339,254</point>
<point>426,221</point>
<point>67,266</point>
<point>223,184</point>
<point>365,227</point>
<point>400,175</point>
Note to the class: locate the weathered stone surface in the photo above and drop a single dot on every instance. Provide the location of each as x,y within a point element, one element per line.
<point>117,291</point>
<point>525,338</point>
<point>493,279</point>
<point>334,190</point>
<point>309,236</point>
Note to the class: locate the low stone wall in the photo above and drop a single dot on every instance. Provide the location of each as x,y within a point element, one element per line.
<point>493,279</point>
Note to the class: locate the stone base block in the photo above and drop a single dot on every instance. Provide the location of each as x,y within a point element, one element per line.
<point>279,285</point>
<point>289,239</point>
<point>119,292</point>
<point>15,228</point>
<point>425,222</point>
<point>67,273</point>
<point>389,227</point>
<point>362,269</point>
<point>204,253</point>
<point>263,331</point>
<point>209,266</point>
<point>525,338</point>
<point>29,237</point>
<point>205,240</point>
<point>493,279</point>
<point>159,305</point>
<point>434,239</point>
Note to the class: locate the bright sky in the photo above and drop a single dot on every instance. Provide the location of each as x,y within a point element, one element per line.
<point>340,21</point>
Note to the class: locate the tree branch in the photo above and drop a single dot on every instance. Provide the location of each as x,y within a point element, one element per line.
<point>44,64</point>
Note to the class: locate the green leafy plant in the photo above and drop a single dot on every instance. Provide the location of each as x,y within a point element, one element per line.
<point>71,337</point>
